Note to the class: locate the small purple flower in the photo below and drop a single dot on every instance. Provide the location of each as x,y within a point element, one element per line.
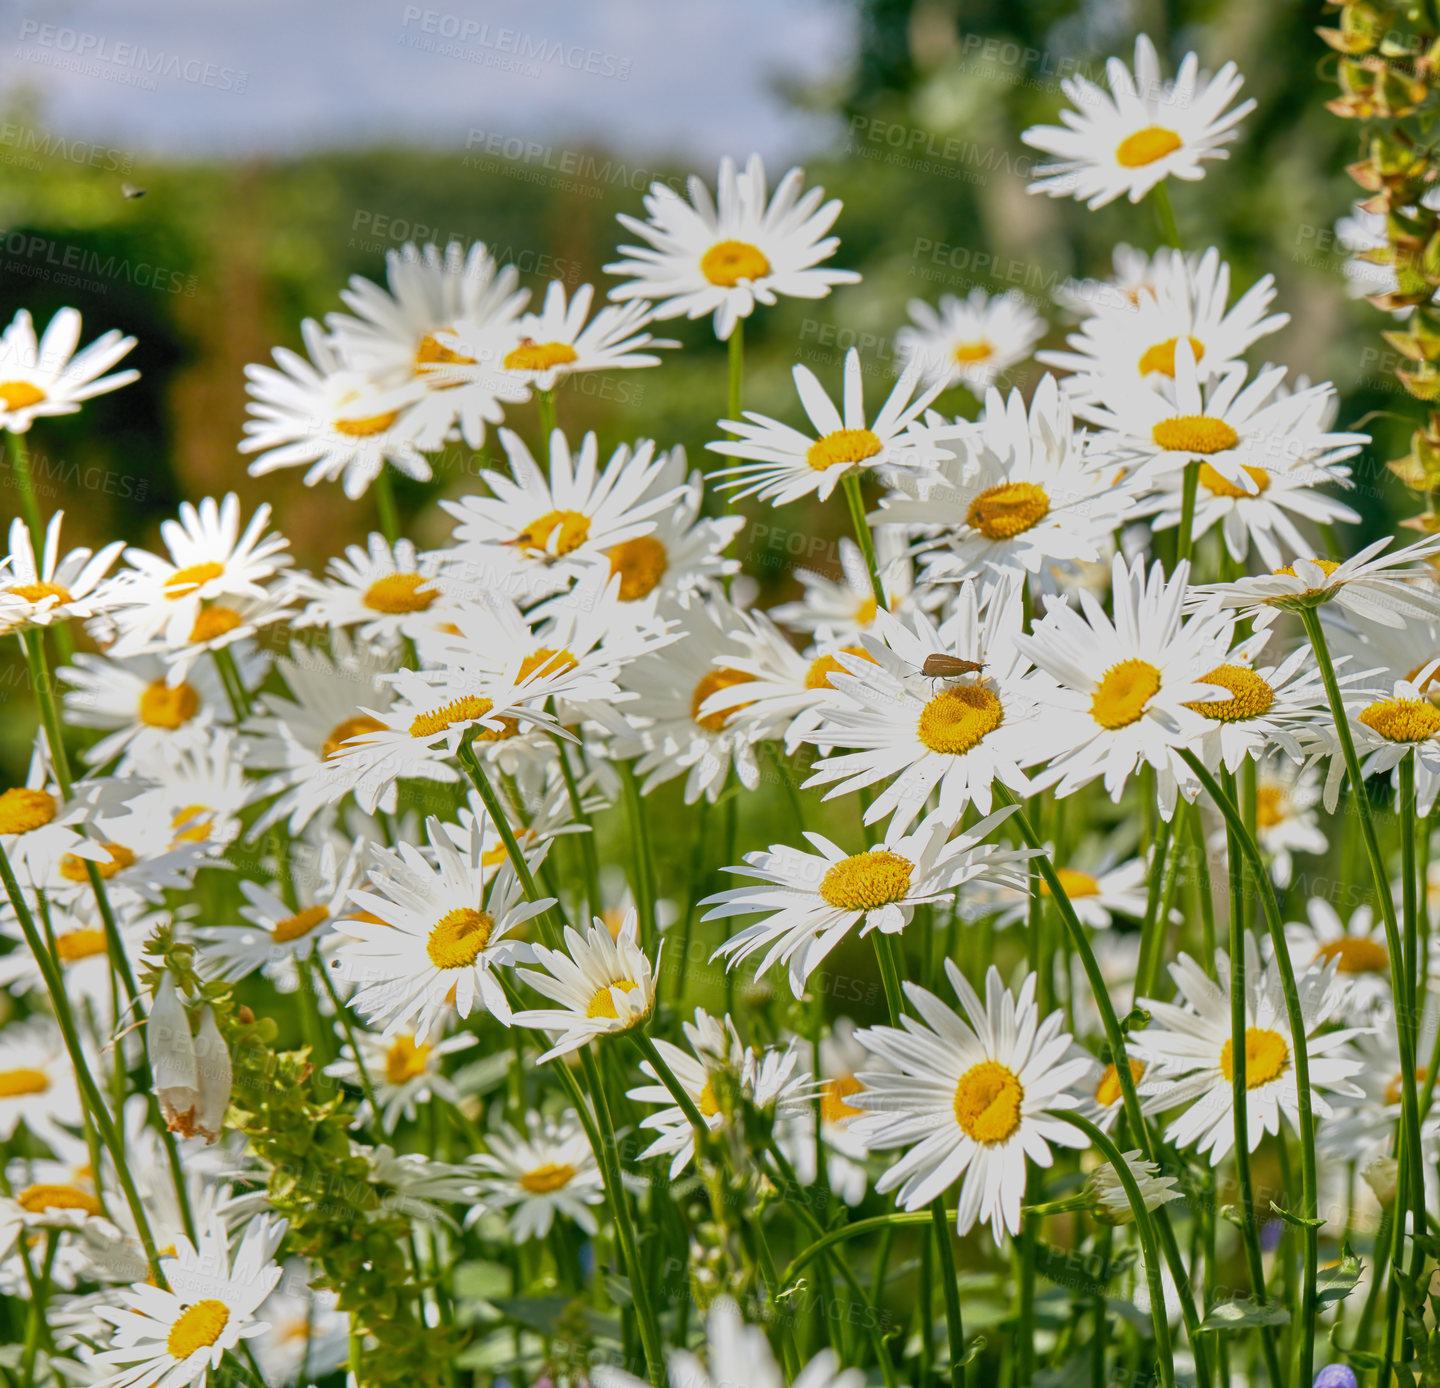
<point>1335,1376</point>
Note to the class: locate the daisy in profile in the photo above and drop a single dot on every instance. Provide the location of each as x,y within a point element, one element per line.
<point>1358,949</point>
<point>192,594</point>
<point>841,1055</point>
<point>1112,1200</point>
<point>1121,693</point>
<point>403,1072</point>
<point>1139,133</point>
<point>785,464</point>
<point>385,591</point>
<point>957,737</point>
<point>435,924</point>
<point>1389,590</point>
<point>970,341</point>
<point>1240,432</point>
<point>53,589</point>
<point>1098,888</point>
<point>49,377</point>
<point>178,1337</point>
<point>969,1096</point>
<point>1018,491</point>
<point>338,423</point>
<point>602,985</point>
<point>836,608</point>
<point>535,531</point>
<point>724,255</point>
<point>394,337</point>
<point>1134,274</point>
<point>811,901</point>
<point>1187,1048</point>
<point>533,1176</point>
<point>539,349</point>
<point>738,1354</point>
<point>1135,341</point>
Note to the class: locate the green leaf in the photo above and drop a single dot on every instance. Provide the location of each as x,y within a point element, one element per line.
<point>1336,1283</point>
<point>481,1281</point>
<point>1299,1221</point>
<point>1244,1314</point>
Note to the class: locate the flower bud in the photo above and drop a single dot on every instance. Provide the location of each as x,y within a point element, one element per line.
<point>171,1050</point>
<point>1383,1176</point>
<point>212,1062</point>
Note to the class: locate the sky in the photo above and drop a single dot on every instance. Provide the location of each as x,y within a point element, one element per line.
<point>237,77</point>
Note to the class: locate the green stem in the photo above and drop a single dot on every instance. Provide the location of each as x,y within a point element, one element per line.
<point>29,506</point>
<point>737,370</point>
<point>545,399</point>
<point>38,1307</point>
<point>1152,946</point>
<point>667,1077</point>
<point>850,482</point>
<point>343,1013</point>
<point>589,855</point>
<point>886,952</point>
<point>1189,487</point>
<point>1165,214</point>
<point>940,1220</point>
<point>385,504</point>
<point>644,863</point>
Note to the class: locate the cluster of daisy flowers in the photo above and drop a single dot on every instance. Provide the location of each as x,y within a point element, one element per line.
<point>397,981</point>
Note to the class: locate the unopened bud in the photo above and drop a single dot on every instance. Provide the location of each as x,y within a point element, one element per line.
<point>191,1073</point>
<point>1382,1176</point>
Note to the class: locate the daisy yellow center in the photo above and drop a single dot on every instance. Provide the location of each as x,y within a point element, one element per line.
<point>712,682</point>
<point>405,1060</point>
<point>726,263</point>
<point>75,945</point>
<point>864,881</point>
<point>1427,685</point>
<point>958,717</point>
<point>570,528</point>
<point>183,582</point>
<point>641,564</point>
<point>14,1083</point>
<point>1194,433</point>
<point>1075,883</point>
<point>818,675</point>
<point>1356,956</point>
<point>457,938</point>
<point>398,593</point>
<point>1266,1056</point>
<point>164,707</point>
<point>1270,807</point>
<point>969,353</point>
<point>1146,146</point>
<point>1250,696</point>
<point>547,1179</point>
<point>1396,1087</point>
<point>22,810</point>
<point>543,662</point>
<point>603,1005</point>
<point>20,395</point>
<point>40,1198</point>
<point>708,1104</point>
<point>76,869</point>
<point>1161,357</point>
<point>1218,486</point>
<point>456,711</point>
<point>843,448</point>
<point>1402,720</point>
<point>38,592</point>
<point>1124,691</point>
<point>366,425</point>
<point>1108,1091</point>
<point>430,352</point>
<point>196,1327</point>
<point>987,1102</point>
<point>540,356</point>
<point>865,612</point>
<point>1003,512</point>
<point>213,622</point>
<point>833,1096</point>
<point>341,733</point>
<point>299,925</point>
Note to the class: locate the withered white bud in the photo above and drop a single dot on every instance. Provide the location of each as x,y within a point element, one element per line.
<point>1382,1176</point>
<point>173,1061</point>
<point>212,1061</point>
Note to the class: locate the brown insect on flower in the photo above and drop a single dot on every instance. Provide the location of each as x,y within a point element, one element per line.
<point>949,667</point>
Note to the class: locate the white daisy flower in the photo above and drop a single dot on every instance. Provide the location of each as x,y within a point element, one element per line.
<point>203,793</point>
<point>308,1337</point>
<point>1358,949</point>
<point>403,1072</point>
<point>1134,274</point>
<point>972,1096</point>
<point>415,1186</point>
<point>436,928</point>
<point>534,533</point>
<point>1141,132</point>
<point>1134,342</point>
<point>395,336</point>
<point>957,739</point>
<point>540,349</point>
<point>1187,1046</point>
<point>603,983</point>
<point>1240,432</point>
<point>338,423</point>
<point>836,609</point>
<point>48,377</point>
<point>811,901</point>
<point>533,1176</point>
<point>82,950</point>
<point>37,1083</point>
<point>724,256</point>
<point>177,1337</point>
<point>386,591</point>
<point>841,1055</point>
<point>970,341</point>
<point>40,827</point>
<point>1121,692</point>
<point>788,464</point>
<point>1112,1203</point>
<point>1285,818</point>
<point>1019,490</point>
<point>53,589</point>
<point>1098,892</point>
